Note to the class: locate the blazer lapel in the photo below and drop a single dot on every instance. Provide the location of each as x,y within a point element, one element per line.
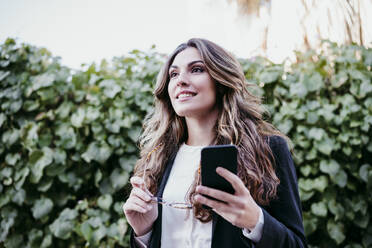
<point>155,241</point>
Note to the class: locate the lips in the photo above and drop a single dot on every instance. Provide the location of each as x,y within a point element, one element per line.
<point>185,94</point>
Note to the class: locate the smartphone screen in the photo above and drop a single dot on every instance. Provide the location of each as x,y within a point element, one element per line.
<point>218,156</point>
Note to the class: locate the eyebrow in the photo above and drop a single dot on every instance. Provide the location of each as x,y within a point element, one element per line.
<point>189,64</point>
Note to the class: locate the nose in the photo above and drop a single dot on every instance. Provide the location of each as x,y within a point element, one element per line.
<point>182,79</point>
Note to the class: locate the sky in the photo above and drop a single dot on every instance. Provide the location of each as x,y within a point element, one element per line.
<point>85,31</point>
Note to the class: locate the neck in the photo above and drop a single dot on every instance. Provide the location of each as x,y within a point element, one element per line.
<point>201,130</point>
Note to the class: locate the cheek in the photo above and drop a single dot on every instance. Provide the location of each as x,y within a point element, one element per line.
<point>170,88</point>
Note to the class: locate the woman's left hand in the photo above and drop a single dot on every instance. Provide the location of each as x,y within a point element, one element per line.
<point>239,209</point>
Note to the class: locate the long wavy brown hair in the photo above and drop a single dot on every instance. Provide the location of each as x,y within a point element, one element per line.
<point>240,122</point>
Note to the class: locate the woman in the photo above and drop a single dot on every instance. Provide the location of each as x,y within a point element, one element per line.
<point>201,99</point>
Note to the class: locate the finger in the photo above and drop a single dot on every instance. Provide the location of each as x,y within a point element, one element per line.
<point>235,181</point>
<point>132,207</point>
<point>220,206</point>
<point>138,192</point>
<point>137,201</point>
<point>138,182</point>
<point>215,193</point>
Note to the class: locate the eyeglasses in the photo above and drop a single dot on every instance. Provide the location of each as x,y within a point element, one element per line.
<point>159,200</point>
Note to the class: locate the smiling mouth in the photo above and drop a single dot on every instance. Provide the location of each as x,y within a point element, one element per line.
<point>185,95</point>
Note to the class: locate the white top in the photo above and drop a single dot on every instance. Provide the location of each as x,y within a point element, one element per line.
<point>179,227</point>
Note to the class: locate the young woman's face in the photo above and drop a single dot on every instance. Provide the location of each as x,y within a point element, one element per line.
<point>191,89</point>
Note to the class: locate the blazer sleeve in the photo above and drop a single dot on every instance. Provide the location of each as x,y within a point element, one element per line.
<point>283,225</point>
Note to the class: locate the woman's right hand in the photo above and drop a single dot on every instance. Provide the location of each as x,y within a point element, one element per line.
<point>139,210</point>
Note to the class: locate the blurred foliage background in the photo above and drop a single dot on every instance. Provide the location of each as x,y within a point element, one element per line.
<point>68,142</point>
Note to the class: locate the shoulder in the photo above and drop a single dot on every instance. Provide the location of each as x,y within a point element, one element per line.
<point>281,154</point>
<point>277,144</point>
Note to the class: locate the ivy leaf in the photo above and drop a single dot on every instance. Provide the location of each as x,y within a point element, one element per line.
<point>92,114</point>
<point>105,202</point>
<point>77,118</point>
<point>340,178</point>
<point>4,74</point>
<point>2,119</point>
<point>86,230</point>
<point>325,145</point>
<point>98,152</point>
<point>42,207</point>
<point>38,160</point>
<point>41,81</point>
<point>20,177</point>
<point>59,156</point>
<point>362,220</point>
<point>316,133</point>
<point>269,75</point>
<point>34,236</point>
<point>119,178</point>
<point>11,159</point>
<point>134,133</point>
<point>99,234</point>
<point>285,126</point>
<point>30,105</point>
<point>111,88</point>
<point>312,83</point>
<point>8,221</point>
<point>123,226</point>
<point>4,199</point>
<point>97,177</point>
<point>363,172</point>
<point>45,185</point>
<point>298,89</point>
<point>30,134</point>
<point>330,167</point>
<point>67,136</point>
<point>64,224</point>
<point>336,231</point>
<point>10,137</point>
<point>339,79</point>
<point>64,109</point>
<point>319,183</point>
<point>95,222</point>
<point>19,197</point>
<point>47,241</point>
<point>15,240</point>
<point>127,164</point>
<point>319,209</point>
<point>337,209</point>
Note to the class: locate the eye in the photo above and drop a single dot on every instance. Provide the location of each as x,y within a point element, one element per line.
<point>172,74</point>
<point>197,69</point>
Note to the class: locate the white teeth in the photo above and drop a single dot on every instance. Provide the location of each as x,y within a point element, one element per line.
<point>183,95</point>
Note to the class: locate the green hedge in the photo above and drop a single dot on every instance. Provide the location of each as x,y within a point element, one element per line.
<point>68,142</point>
<point>324,104</point>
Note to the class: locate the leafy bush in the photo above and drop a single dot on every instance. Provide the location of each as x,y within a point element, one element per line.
<point>68,142</point>
<point>324,104</point>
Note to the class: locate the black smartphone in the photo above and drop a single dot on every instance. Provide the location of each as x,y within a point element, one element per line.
<point>218,156</point>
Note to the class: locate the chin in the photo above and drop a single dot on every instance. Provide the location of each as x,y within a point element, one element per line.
<point>182,113</point>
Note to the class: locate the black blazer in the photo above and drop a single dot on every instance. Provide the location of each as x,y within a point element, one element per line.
<point>282,217</point>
